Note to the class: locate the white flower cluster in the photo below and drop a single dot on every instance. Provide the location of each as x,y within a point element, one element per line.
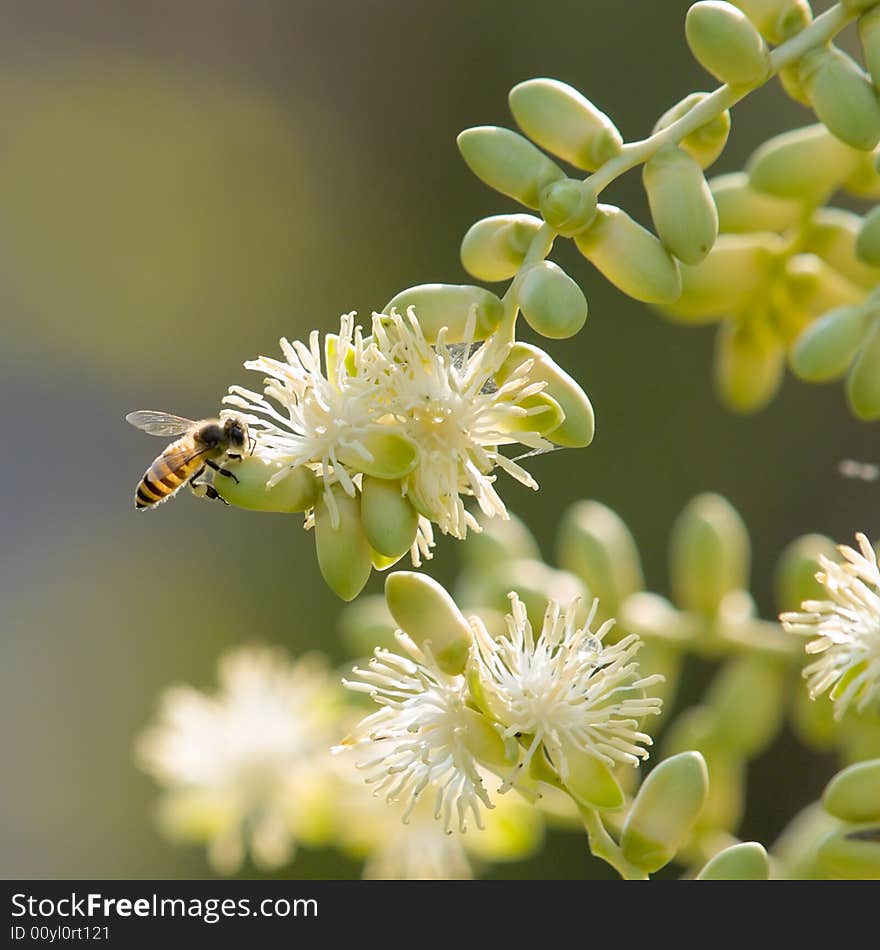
<point>400,429</point>
<point>846,628</point>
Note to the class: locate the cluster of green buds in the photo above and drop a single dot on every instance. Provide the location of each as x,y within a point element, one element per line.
<point>838,837</point>
<point>757,252</point>
<point>711,615</point>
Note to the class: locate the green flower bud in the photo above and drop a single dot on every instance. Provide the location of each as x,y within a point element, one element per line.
<point>694,728</point>
<point>796,571</point>
<point>458,307</point>
<point>726,798</point>
<point>507,162</point>
<point>551,301</point>
<point>381,452</point>
<point>568,206</point>
<point>589,780</point>
<point>579,425</point>
<point>825,350</point>
<point>864,182</point>
<point>742,210</point>
<point>790,79</point>
<point>833,236</point>
<point>749,365</point>
<point>547,415</point>
<point>344,554</point>
<point>706,143</point>
<point>746,696</point>
<point>868,240</point>
<point>596,546</point>
<point>863,381</point>
<point>367,624</point>
<point>854,793</point>
<point>725,43</point>
<point>425,611</point>
<point>536,583</point>
<point>297,491</point>
<point>630,257</point>
<point>816,287</point>
<point>796,847</point>
<point>869,34</point>
<point>852,853</point>
<point>390,521</point>
<point>736,269</point>
<point>777,20</point>
<point>842,96</point>
<point>806,164</point>
<point>747,861</point>
<point>664,811</point>
<point>681,204</point>
<point>493,249</point>
<point>484,741</point>
<point>499,541</point>
<point>564,122</point>
<point>709,553</point>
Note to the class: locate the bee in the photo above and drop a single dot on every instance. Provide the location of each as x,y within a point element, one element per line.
<point>199,444</point>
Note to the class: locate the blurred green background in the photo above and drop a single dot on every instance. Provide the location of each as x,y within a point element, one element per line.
<point>181,184</point>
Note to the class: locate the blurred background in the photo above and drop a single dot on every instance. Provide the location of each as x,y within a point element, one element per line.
<point>180,185</point>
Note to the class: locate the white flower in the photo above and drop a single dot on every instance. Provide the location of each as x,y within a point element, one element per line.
<point>233,763</point>
<point>448,402</point>
<point>846,628</point>
<point>323,413</point>
<point>418,742</point>
<point>566,689</point>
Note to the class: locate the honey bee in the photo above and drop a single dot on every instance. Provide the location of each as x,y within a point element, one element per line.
<point>199,444</point>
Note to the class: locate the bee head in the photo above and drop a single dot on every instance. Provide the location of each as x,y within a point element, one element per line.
<point>236,432</point>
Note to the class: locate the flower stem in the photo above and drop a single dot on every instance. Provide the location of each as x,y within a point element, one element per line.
<point>603,846</point>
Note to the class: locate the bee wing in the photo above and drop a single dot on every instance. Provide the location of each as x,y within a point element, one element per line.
<point>159,423</point>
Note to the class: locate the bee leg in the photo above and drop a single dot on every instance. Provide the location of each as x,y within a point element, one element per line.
<point>204,489</point>
<point>221,471</point>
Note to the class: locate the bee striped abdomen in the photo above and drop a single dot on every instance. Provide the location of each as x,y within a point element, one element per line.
<point>169,472</point>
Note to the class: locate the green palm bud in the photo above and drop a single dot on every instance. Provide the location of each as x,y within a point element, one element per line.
<point>869,34</point>
<point>804,164</point>
<point>777,20</point>
<point>425,611</point>
<point>864,182</point>
<point>498,541</point>
<point>579,425</point>
<point>842,96</point>
<point>852,853</point>
<point>709,553</point>
<point>664,811</point>
<point>736,269</point>
<point>708,141</point>
<point>564,122</point>
<point>681,204</point>
<point>826,349</point>
<point>536,583</point>
<point>746,696</point>
<point>868,240</point>
<point>796,572</point>
<point>590,781</point>
<point>796,847</point>
<point>297,491</point>
<point>724,42</point>
<point>344,554</point>
<point>863,381</point>
<point>630,257</point>
<point>725,801</point>
<point>568,206</point>
<point>367,624</point>
<point>747,861</point>
<point>507,162</point>
<point>832,235</point>
<point>749,365</point>
<point>742,210</point>
<point>596,546</point>
<point>546,415</point>
<point>390,521</point>
<point>814,285</point>
<point>854,794</point>
<point>468,313</point>
<point>694,728</point>
<point>551,301</point>
<point>381,452</point>
<point>790,79</point>
<point>493,249</point>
